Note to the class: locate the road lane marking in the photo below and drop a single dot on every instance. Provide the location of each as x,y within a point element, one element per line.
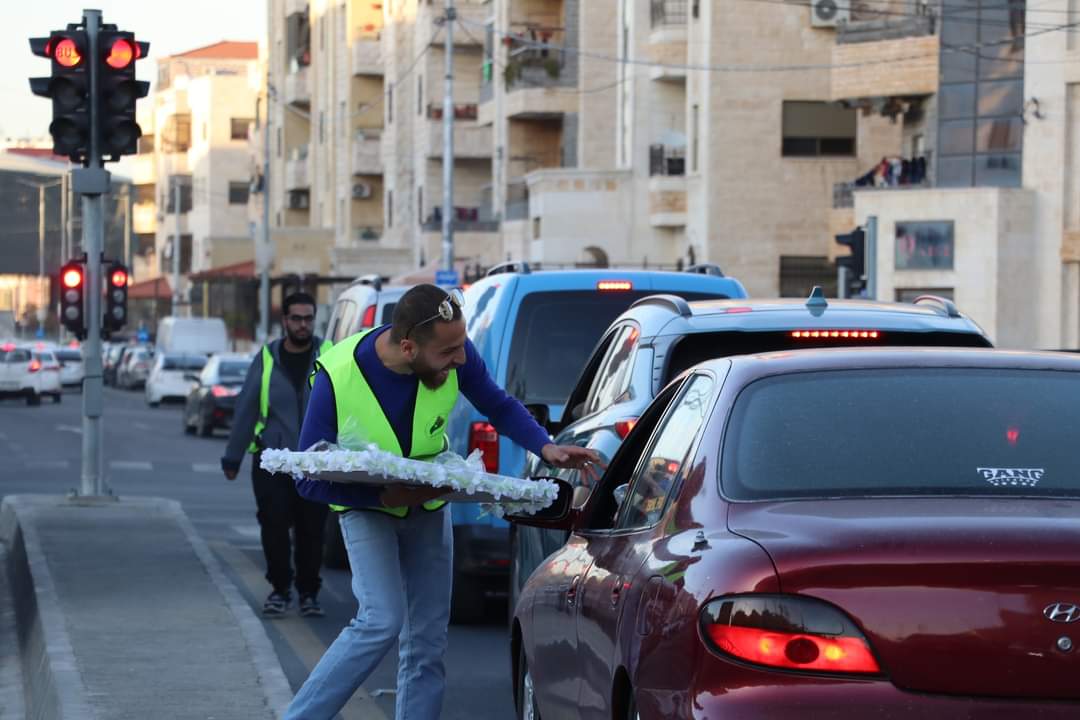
<point>205,467</point>
<point>142,426</point>
<point>297,632</point>
<point>46,464</point>
<point>69,428</point>
<point>248,531</point>
<point>140,465</point>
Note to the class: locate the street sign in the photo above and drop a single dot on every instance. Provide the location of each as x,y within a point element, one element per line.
<point>142,335</point>
<point>446,277</point>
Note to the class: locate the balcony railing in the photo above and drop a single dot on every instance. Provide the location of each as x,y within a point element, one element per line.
<point>907,173</point>
<point>462,111</point>
<point>465,219</point>
<point>667,13</point>
<point>535,58</point>
<point>517,200</point>
<point>368,233</point>
<point>875,27</point>
<point>665,160</point>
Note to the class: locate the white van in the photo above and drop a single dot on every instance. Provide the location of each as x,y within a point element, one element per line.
<point>364,304</point>
<point>192,335</point>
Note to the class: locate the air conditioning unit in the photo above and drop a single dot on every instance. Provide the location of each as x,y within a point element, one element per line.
<point>361,191</point>
<point>299,200</point>
<point>829,13</point>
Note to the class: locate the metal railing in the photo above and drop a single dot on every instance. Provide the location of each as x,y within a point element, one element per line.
<point>667,13</point>
<point>462,111</point>
<point>664,160</point>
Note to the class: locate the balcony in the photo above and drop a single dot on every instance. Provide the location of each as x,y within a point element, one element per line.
<point>889,56</point>
<point>144,218</point>
<point>297,91</point>
<point>368,233</point>
<point>367,55</point>
<point>466,219</point>
<point>667,39</point>
<point>911,175</point>
<point>667,200</point>
<point>367,154</point>
<point>470,140</point>
<point>517,200</point>
<point>297,170</point>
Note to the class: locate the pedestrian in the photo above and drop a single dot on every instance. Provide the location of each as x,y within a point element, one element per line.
<point>394,386</point>
<point>268,414</point>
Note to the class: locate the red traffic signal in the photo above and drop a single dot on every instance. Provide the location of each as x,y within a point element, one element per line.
<point>73,277</point>
<point>120,54</point>
<point>118,278</point>
<point>72,297</point>
<point>66,52</point>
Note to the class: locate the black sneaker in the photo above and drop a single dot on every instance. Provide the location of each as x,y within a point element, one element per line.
<point>276,604</point>
<point>309,606</point>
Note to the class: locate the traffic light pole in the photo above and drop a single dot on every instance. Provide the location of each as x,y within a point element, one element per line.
<point>871,257</point>
<point>448,144</point>
<point>92,183</point>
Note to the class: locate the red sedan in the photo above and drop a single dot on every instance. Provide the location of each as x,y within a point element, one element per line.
<point>823,534</point>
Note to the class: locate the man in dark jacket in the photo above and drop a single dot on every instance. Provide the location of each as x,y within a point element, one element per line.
<point>268,414</point>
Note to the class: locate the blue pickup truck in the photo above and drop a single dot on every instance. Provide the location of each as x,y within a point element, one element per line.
<point>535,329</point>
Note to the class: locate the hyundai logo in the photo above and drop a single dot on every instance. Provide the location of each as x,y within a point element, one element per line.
<point>1062,612</point>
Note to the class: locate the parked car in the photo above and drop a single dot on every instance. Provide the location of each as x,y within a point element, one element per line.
<point>111,362</point>
<point>169,377</point>
<point>49,372</point>
<point>21,374</point>
<point>134,367</point>
<point>534,331</point>
<point>72,369</point>
<point>212,396</point>
<point>365,303</point>
<point>849,532</point>
<point>661,336</point>
<point>192,335</point>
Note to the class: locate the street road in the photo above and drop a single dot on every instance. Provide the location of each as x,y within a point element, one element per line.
<point>147,453</point>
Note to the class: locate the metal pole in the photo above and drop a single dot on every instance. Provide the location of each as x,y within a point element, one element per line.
<point>267,254</point>
<point>871,257</point>
<point>448,144</point>
<point>176,246</point>
<point>93,240</point>
<point>841,281</point>
<point>41,233</point>
<point>127,227</point>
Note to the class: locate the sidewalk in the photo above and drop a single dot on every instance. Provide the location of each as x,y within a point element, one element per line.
<point>124,612</point>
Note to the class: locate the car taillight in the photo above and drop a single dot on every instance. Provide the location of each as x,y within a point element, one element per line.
<point>221,391</point>
<point>484,437</point>
<point>35,365</point>
<point>623,427</point>
<point>785,631</point>
<point>369,316</point>
<point>837,334</point>
<point>614,285</point>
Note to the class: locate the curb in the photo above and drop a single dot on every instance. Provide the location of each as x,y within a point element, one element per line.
<point>54,686</point>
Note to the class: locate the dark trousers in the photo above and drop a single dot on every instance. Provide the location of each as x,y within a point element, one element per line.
<point>279,508</point>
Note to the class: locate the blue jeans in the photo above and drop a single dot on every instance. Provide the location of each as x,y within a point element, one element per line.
<point>402,570</point>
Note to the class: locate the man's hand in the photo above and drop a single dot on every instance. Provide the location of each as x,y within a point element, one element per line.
<point>573,457</point>
<point>409,496</point>
<point>230,474</point>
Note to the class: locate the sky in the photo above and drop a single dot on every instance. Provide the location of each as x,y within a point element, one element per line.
<point>169,27</point>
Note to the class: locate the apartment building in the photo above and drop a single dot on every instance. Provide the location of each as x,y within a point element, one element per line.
<point>987,100</point>
<point>194,149</point>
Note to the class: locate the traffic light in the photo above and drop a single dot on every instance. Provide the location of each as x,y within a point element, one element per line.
<point>116,288</point>
<point>119,91</point>
<point>855,262</point>
<point>68,87</point>
<point>72,297</point>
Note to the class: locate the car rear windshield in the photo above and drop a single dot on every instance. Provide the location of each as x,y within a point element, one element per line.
<point>388,313</point>
<point>924,431</point>
<point>15,356</point>
<point>699,347</point>
<point>183,362</point>
<point>233,370</point>
<point>69,355</point>
<point>554,334</point>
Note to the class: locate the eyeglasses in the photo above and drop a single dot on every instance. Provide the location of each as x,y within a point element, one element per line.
<point>446,309</point>
<point>306,319</point>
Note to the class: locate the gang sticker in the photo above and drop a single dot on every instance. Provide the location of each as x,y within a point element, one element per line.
<point>1012,477</point>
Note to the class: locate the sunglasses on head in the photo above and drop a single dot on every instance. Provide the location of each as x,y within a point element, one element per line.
<point>445,311</point>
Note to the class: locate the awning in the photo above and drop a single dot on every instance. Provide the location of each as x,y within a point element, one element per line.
<point>244,269</point>
<point>156,289</point>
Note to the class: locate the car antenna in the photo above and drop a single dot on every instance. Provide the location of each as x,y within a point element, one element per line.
<point>817,298</point>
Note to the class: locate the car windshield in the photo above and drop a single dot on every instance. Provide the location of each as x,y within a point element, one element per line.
<point>18,355</point>
<point>233,370</point>
<point>183,362</point>
<point>388,313</point>
<point>555,333</point>
<point>910,431</point>
<point>69,355</point>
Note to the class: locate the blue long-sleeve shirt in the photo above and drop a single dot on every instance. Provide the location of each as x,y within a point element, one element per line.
<point>396,394</point>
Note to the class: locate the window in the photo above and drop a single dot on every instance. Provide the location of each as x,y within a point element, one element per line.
<point>924,245</point>
<point>238,128</point>
<point>817,129</point>
<point>661,466</point>
<point>238,193</point>
<point>613,376</point>
<point>233,371</point>
<point>966,431</point>
<point>346,316</point>
<point>907,295</point>
<point>695,136</point>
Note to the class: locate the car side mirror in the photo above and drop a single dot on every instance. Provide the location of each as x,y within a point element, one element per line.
<point>580,497</point>
<point>559,515</point>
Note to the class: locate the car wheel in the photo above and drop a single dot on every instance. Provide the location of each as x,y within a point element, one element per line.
<point>188,429</point>
<point>334,554</point>
<point>526,696</point>
<point>153,403</point>
<point>467,602</point>
<point>515,576</point>
<point>33,398</point>
<point>205,429</point>
<point>56,398</point>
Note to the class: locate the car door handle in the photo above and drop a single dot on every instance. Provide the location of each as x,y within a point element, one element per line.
<point>617,589</point>
<point>572,591</point>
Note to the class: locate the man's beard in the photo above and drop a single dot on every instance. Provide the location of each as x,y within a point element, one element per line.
<point>428,375</point>
<point>302,338</point>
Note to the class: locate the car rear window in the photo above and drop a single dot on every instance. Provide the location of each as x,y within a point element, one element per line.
<point>388,313</point>
<point>233,370</point>
<point>69,355</point>
<point>183,362</point>
<point>699,347</point>
<point>911,431</point>
<point>15,356</point>
<point>554,334</point>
